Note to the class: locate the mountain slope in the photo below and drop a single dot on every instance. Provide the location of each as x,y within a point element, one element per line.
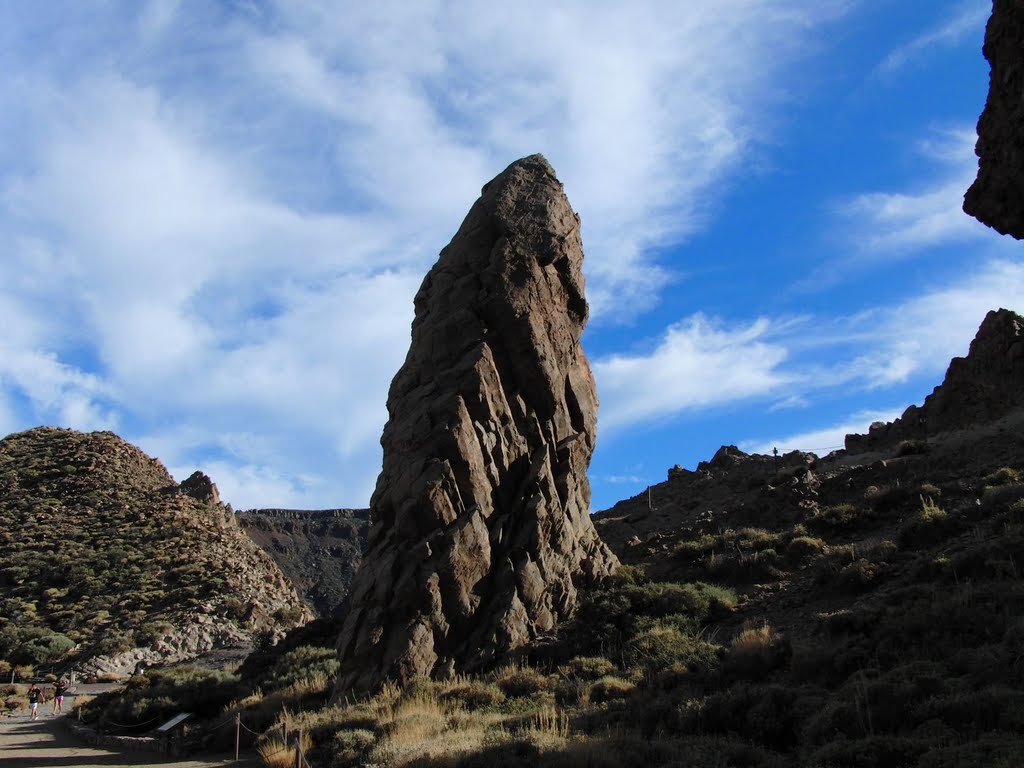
<point>318,550</point>
<point>102,554</point>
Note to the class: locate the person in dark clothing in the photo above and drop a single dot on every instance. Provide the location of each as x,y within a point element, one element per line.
<point>59,689</point>
<point>35,695</point>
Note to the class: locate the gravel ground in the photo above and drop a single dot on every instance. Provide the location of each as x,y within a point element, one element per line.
<point>45,743</point>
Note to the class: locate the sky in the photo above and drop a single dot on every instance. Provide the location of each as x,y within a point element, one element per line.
<point>214,217</point>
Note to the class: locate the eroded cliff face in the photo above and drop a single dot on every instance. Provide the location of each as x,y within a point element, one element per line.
<point>997,196</point>
<point>480,534</point>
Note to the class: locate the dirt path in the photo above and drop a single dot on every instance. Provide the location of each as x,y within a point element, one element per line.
<point>45,743</point>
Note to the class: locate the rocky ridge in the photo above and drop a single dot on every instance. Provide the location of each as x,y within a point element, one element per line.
<point>997,196</point>
<point>977,389</point>
<point>104,557</point>
<point>480,532</point>
<point>969,425</point>
<point>318,550</point>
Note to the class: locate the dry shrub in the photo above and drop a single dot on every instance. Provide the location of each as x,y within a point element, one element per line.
<point>275,753</point>
<point>609,688</point>
<point>803,548</point>
<point>475,694</point>
<point>756,651</point>
<point>587,667</point>
<point>415,721</point>
<point>520,681</point>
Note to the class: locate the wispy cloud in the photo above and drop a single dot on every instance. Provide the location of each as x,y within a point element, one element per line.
<point>968,19</point>
<point>215,216</point>
<point>884,224</point>
<point>706,364</point>
<point>825,439</point>
<point>697,363</point>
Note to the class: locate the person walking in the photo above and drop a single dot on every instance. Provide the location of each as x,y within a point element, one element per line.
<point>35,695</point>
<point>59,689</point>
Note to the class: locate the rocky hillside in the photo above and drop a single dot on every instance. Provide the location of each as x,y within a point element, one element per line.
<point>104,557</point>
<point>978,389</point>
<point>863,609</point>
<point>318,550</point>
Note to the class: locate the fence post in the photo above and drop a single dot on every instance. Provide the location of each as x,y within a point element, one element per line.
<point>238,732</point>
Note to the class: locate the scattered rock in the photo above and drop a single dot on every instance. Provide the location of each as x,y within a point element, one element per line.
<point>480,534</point>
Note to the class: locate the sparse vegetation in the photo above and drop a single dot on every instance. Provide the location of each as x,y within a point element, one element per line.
<point>99,551</point>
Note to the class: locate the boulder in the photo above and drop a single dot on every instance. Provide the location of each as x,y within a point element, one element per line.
<point>201,488</point>
<point>480,535</point>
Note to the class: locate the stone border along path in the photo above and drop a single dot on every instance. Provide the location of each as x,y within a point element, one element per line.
<point>46,743</point>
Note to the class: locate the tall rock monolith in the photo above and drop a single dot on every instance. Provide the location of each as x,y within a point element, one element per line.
<point>997,196</point>
<point>480,535</point>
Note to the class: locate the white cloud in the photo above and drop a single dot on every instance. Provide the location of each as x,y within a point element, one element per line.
<point>455,91</point>
<point>701,364</point>
<point>821,441</point>
<point>923,333</point>
<point>968,20</point>
<point>55,390</point>
<point>881,224</point>
<point>215,216</point>
<point>696,364</point>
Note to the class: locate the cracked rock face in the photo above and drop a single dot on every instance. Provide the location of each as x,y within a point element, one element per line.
<point>481,535</point>
<point>997,196</point>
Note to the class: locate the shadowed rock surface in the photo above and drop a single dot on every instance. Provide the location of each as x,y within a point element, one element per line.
<point>979,388</point>
<point>997,196</point>
<point>317,549</point>
<point>480,533</point>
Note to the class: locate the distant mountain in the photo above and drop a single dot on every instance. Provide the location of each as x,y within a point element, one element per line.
<point>103,557</point>
<point>318,550</point>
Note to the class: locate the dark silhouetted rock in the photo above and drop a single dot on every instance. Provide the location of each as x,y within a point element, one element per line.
<point>980,388</point>
<point>480,534</point>
<point>997,196</point>
<point>201,488</point>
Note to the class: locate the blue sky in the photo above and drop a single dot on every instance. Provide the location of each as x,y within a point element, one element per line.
<point>215,215</point>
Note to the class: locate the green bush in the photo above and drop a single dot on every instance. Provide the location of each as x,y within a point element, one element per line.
<point>912,448</point>
<point>803,548</point>
<point>661,647</point>
<point>161,694</point>
<point>46,649</point>
<point>836,516</point>
<point>351,748</point>
<point>302,663</point>
<point>1002,476</point>
<point>930,525</point>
